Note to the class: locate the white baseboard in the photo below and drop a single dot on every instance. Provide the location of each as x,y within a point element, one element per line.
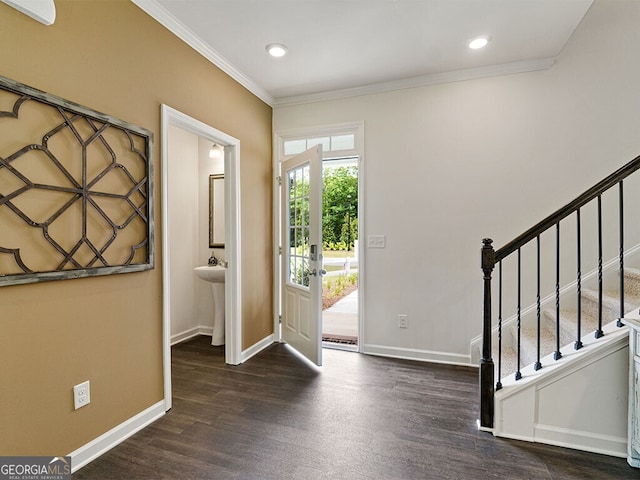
<point>521,438</point>
<point>244,356</point>
<point>485,429</point>
<point>256,348</point>
<point>580,440</point>
<point>192,332</point>
<point>118,434</point>
<point>420,355</point>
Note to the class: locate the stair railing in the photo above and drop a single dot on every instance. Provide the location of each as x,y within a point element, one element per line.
<point>490,258</point>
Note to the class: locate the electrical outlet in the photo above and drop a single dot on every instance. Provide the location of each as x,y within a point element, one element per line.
<point>403,321</point>
<point>81,395</point>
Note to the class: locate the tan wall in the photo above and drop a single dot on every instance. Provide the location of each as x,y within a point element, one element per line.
<point>112,57</point>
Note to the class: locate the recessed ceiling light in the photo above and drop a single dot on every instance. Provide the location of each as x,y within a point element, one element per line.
<point>276,49</point>
<point>479,42</point>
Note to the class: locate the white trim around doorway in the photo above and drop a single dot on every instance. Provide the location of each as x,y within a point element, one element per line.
<point>233,292</point>
<point>279,138</point>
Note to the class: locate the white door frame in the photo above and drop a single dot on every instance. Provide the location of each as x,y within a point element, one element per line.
<point>233,292</point>
<point>278,156</point>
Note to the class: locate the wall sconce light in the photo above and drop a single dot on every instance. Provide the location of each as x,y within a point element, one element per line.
<point>215,152</point>
<point>43,11</point>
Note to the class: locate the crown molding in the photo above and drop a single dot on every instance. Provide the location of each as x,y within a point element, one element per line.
<point>44,11</point>
<point>175,26</point>
<point>421,81</point>
<point>162,16</point>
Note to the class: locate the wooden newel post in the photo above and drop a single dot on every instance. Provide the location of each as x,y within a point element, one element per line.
<point>487,388</point>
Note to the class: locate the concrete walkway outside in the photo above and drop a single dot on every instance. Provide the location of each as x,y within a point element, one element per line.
<point>341,319</point>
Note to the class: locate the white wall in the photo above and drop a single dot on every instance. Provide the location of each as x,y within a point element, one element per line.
<point>189,170</point>
<point>183,223</point>
<point>448,165</point>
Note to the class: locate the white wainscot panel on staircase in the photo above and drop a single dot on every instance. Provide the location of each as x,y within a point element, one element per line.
<point>633,457</point>
<point>580,403</point>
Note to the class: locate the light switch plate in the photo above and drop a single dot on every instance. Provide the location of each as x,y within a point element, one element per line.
<point>376,241</point>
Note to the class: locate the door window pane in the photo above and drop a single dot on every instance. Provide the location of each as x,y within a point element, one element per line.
<point>298,225</point>
<point>293,147</point>
<point>329,144</point>
<point>324,141</point>
<point>343,142</point>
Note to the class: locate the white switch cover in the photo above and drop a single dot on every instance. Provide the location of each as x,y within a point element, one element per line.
<point>376,241</point>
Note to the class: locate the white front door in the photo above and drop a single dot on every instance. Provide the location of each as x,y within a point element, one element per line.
<point>302,253</point>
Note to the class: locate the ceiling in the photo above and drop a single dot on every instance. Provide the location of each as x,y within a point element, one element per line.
<point>340,48</point>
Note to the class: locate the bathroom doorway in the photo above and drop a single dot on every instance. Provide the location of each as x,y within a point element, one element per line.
<point>175,123</point>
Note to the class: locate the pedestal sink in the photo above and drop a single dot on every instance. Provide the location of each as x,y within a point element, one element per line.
<point>215,275</point>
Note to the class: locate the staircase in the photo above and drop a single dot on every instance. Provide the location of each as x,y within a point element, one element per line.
<point>557,371</point>
<point>553,394</point>
<point>568,325</point>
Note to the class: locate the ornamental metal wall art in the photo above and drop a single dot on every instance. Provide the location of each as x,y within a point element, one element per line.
<point>76,190</point>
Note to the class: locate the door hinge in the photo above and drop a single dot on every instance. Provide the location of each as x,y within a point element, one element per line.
<point>280,319</point>
<point>279,180</point>
<point>279,250</point>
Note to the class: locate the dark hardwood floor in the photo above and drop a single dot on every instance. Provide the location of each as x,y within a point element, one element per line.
<point>357,417</point>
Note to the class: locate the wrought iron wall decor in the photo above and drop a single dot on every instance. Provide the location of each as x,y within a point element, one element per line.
<point>76,190</point>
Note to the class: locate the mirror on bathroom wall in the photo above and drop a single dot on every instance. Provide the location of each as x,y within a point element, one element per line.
<point>216,211</point>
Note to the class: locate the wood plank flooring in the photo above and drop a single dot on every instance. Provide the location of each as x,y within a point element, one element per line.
<point>357,417</point>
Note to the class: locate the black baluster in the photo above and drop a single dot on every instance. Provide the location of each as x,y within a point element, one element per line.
<point>557,355</point>
<point>578,344</point>
<point>621,201</point>
<point>538,365</point>
<point>499,383</point>
<point>599,333</point>
<point>518,374</point>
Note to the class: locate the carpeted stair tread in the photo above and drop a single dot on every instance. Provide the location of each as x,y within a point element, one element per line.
<point>529,344</point>
<point>632,273</point>
<point>568,322</point>
<point>610,305</point>
<point>508,361</point>
<point>568,325</point>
